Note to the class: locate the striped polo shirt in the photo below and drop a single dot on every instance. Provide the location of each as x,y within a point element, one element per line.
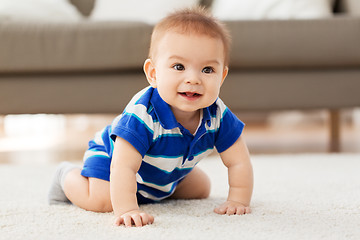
<point>169,150</point>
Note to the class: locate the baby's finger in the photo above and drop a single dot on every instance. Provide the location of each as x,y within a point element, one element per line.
<point>219,210</point>
<point>151,219</point>
<point>231,210</point>
<point>137,220</point>
<point>118,221</point>
<point>240,211</point>
<point>145,218</point>
<point>127,221</point>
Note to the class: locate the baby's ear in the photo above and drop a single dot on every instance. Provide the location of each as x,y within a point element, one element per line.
<point>225,73</point>
<point>150,72</point>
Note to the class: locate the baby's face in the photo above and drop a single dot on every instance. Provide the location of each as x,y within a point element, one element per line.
<point>189,70</point>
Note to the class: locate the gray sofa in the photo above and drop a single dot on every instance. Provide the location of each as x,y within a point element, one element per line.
<point>95,67</point>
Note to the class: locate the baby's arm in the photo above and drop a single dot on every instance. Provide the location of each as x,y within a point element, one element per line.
<point>240,172</point>
<point>125,163</point>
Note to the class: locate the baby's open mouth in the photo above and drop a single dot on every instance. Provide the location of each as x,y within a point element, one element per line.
<point>190,94</point>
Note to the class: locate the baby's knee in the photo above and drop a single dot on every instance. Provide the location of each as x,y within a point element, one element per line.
<point>203,185</point>
<point>203,194</point>
<point>100,205</point>
<point>99,195</point>
<point>105,206</point>
<point>206,187</point>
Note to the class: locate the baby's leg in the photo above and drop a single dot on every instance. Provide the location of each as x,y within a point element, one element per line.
<point>196,185</point>
<point>91,194</point>
<point>56,193</point>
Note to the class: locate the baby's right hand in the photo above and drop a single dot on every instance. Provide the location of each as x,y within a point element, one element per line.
<point>137,218</point>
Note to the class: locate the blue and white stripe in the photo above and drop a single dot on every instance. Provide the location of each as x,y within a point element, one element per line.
<point>169,151</point>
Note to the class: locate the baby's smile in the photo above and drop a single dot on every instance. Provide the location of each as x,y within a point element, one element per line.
<point>190,95</point>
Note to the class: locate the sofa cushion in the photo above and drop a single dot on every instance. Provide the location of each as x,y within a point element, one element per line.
<point>351,7</point>
<point>271,9</point>
<point>330,42</point>
<point>73,46</point>
<point>151,11</point>
<point>38,10</point>
<point>85,7</point>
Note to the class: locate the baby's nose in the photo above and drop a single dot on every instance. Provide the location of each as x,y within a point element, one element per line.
<point>193,78</point>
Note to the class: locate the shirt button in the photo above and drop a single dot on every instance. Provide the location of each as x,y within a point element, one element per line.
<point>191,158</point>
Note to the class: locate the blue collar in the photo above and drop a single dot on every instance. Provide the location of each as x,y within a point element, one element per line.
<point>166,116</point>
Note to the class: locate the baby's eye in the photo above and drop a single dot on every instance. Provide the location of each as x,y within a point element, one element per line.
<point>179,67</point>
<point>208,70</point>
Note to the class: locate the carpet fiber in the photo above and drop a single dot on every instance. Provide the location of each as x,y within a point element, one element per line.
<point>302,196</point>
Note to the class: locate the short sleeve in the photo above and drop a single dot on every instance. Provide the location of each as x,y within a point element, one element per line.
<point>229,131</point>
<point>134,130</point>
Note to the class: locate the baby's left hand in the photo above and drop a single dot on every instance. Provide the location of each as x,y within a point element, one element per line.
<point>232,208</point>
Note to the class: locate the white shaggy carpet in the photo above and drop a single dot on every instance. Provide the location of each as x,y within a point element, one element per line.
<point>295,197</point>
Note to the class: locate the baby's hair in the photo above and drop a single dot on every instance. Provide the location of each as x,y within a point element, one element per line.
<point>195,20</point>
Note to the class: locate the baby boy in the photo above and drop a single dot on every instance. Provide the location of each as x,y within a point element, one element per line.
<point>150,152</point>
